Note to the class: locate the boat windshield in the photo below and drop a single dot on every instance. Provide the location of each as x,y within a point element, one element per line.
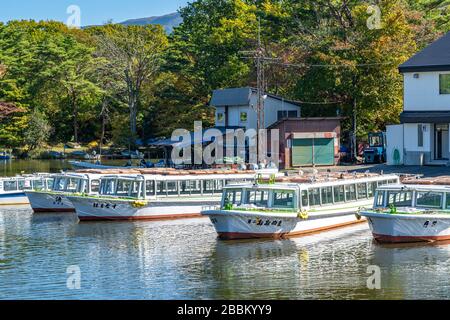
<point>260,198</point>
<point>399,198</point>
<point>69,184</point>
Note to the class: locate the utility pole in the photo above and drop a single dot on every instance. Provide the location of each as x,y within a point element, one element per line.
<point>259,56</point>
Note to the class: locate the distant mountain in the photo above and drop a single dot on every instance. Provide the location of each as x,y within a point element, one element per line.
<point>168,21</point>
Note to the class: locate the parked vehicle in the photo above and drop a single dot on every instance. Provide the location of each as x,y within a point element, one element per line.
<point>376,152</point>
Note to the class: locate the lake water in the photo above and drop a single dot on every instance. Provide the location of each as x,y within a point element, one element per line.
<point>183,259</point>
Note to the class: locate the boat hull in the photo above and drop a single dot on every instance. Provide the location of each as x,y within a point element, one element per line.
<point>49,202</point>
<point>98,209</point>
<point>18,198</point>
<point>396,228</point>
<point>247,225</point>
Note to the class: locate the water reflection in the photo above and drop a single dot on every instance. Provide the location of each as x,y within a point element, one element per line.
<point>183,259</point>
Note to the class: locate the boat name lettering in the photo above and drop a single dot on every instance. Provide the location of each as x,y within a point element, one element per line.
<point>104,205</point>
<point>261,222</point>
<point>427,223</point>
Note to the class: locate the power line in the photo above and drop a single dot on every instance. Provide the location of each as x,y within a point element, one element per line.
<point>304,65</point>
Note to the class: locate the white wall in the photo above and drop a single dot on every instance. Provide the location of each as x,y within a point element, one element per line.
<point>394,140</point>
<point>411,137</point>
<point>422,94</point>
<point>271,108</point>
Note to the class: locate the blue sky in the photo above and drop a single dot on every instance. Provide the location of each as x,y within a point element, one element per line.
<point>92,11</point>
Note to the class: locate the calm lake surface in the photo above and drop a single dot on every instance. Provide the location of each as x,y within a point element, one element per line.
<point>183,259</point>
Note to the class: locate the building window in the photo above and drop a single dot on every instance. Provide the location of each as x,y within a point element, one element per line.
<point>444,83</point>
<point>420,135</point>
<point>243,117</point>
<point>283,114</point>
<point>220,117</point>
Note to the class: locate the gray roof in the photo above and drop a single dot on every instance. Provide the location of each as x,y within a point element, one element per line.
<point>231,97</point>
<point>435,57</point>
<point>425,117</point>
<point>239,97</point>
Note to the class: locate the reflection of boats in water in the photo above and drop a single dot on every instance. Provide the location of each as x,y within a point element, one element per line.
<point>308,267</point>
<point>413,271</point>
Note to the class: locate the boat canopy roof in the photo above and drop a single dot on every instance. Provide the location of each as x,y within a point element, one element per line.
<point>414,187</point>
<point>274,186</point>
<point>177,177</point>
<point>77,175</point>
<point>302,182</point>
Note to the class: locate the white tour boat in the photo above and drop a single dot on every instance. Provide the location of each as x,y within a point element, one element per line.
<point>411,212</point>
<point>294,206</point>
<point>55,199</point>
<point>12,190</point>
<point>157,194</point>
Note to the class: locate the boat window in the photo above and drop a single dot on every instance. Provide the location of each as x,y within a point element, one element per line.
<point>258,198</point>
<point>95,185</point>
<point>135,189</point>
<point>399,198</point>
<point>208,186</point>
<point>362,190</point>
<point>38,184</point>
<point>50,182</point>
<point>382,182</point>
<point>283,199</point>
<point>371,186</point>
<point>327,195</point>
<point>429,199</point>
<point>447,206</point>
<point>379,198</point>
<point>350,192</point>
<point>10,185</point>
<point>73,185</point>
<point>123,187</point>
<point>58,184</point>
<point>305,202</point>
<point>218,186</point>
<point>233,197</point>
<point>150,187</point>
<point>108,186</point>
<point>339,193</point>
<point>172,187</point>
<point>392,181</point>
<point>186,187</point>
<point>160,188</point>
<point>25,184</point>
<point>314,197</point>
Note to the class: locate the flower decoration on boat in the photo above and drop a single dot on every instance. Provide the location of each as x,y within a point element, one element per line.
<point>139,203</point>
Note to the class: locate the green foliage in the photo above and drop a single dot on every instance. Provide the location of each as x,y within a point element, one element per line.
<point>118,83</point>
<point>37,132</point>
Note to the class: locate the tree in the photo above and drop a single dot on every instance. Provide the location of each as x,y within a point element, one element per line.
<point>38,130</point>
<point>135,53</point>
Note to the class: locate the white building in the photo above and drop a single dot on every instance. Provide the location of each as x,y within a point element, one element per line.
<point>236,107</point>
<point>423,137</point>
